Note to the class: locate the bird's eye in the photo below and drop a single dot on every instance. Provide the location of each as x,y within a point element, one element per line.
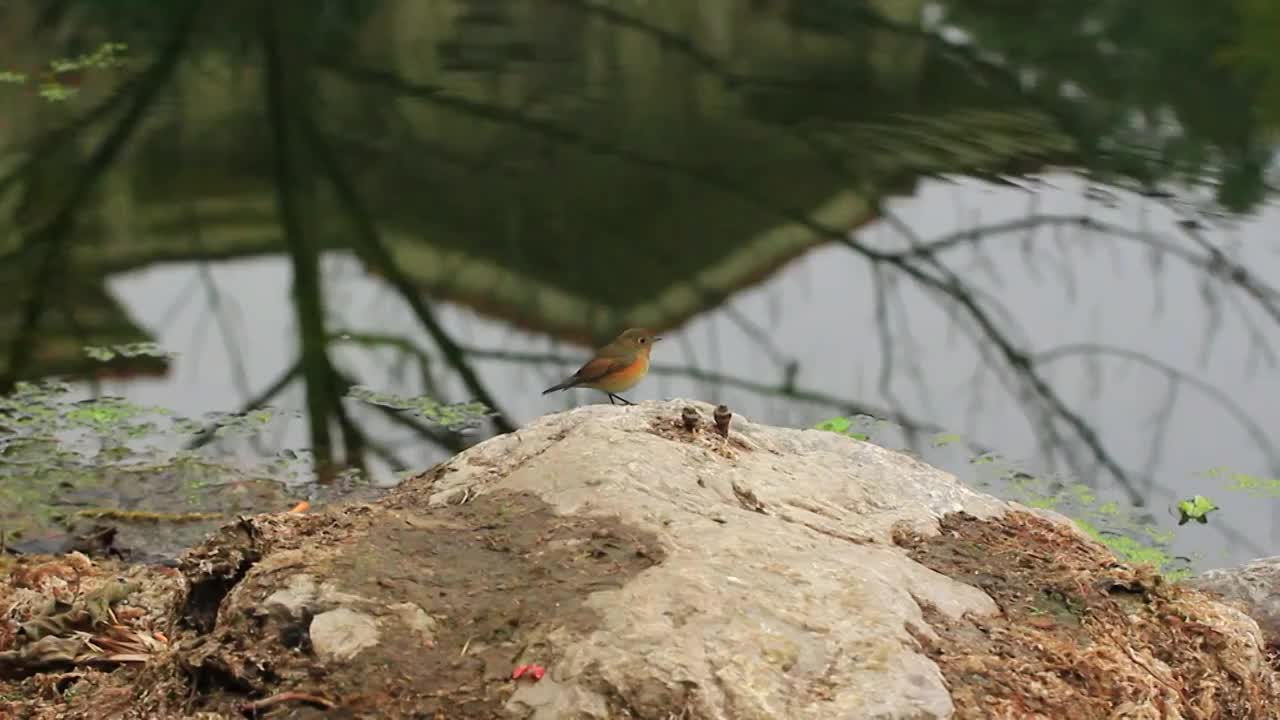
<point>644,340</point>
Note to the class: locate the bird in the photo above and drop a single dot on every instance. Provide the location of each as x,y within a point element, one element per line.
<point>616,367</point>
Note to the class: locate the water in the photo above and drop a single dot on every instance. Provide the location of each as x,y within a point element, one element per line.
<point>1051,234</point>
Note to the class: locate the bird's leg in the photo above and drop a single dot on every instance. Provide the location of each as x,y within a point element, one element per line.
<point>611,402</point>
<point>624,400</point>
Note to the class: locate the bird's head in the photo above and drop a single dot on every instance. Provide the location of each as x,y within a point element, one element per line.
<point>637,339</point>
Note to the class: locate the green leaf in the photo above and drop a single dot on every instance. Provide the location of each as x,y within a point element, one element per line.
<point>840,425</point>
<point>56,92</point>
<point>455,416</point>
<point>835,424</point>
<point>100,354</point>
<point>104,353</point>
<point>1197,508</point>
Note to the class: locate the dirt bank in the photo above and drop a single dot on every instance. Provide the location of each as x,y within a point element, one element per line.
<point>1080,634</point>
<point>492,578</point>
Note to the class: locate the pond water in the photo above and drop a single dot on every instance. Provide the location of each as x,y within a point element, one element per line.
<point>1039,247</point>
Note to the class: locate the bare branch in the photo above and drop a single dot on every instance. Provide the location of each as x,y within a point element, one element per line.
<point>51,237</point>
<point>285,100</point>
<point>1261,438</point>
<point>1213,262</point>
<point>376,250</point>
<point>277,386</point>
<point>1016,359</point>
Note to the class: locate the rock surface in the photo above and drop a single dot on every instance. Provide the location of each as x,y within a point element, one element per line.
<point>657,572</point>
<point>781,594</point>
<point>1255,586</point>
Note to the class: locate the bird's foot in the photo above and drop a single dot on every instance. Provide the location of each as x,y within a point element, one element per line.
<point>624,400</point>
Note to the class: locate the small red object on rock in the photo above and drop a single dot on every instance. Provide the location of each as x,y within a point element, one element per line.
<point>534,671</point>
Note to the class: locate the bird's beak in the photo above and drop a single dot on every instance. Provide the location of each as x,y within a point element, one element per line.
<point>656,338</point>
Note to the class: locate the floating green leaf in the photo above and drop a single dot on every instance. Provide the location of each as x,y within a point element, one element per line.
<point>109,54</point>
<point>1129,533</point>
<point>1252,485</point>
<point>57,92</point>
<point>842,426</point>
<point>243,424</point>
<point>1197,508</point>
<point>835,424</point>
<point>455,416</point>
<point>1130,550</point>
<point>104,353</point>
<point>59,454</point>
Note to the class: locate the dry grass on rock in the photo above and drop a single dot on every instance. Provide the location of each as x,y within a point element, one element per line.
<point>1082,635</point>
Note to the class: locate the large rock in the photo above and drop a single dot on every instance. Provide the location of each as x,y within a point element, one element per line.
<point>1255,586</point>
<point>781,593</point>
<point>659,572</point>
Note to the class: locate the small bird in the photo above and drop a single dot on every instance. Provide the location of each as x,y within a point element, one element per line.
<point>616,367</point>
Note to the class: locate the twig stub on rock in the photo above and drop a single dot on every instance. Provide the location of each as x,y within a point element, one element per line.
<point>689,418</point>
<point>722,417</point>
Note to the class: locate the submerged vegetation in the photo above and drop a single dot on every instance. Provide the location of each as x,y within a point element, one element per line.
<point>455,417</point>
<point>58,81</point>
<point>1130,535</point>
<point>68,458</point>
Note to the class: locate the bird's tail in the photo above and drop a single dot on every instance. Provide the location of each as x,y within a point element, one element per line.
<point>558,386</point>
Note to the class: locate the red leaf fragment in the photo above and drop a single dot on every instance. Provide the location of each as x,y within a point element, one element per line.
<point>533,671</point>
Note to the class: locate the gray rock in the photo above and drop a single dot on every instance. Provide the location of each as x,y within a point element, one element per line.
<point>416,620</point>
<point>301,593</point>
<point>781,594</point>
<point>341,634</point>
<point>1255,585</point>
<point>298,594</point>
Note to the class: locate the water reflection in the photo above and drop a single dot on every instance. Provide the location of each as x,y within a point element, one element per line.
<point>416,194</point>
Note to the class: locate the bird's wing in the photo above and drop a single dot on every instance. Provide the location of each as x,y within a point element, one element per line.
<point>598,368</point>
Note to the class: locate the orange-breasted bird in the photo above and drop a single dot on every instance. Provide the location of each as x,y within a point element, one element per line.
<point>616,367</point>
